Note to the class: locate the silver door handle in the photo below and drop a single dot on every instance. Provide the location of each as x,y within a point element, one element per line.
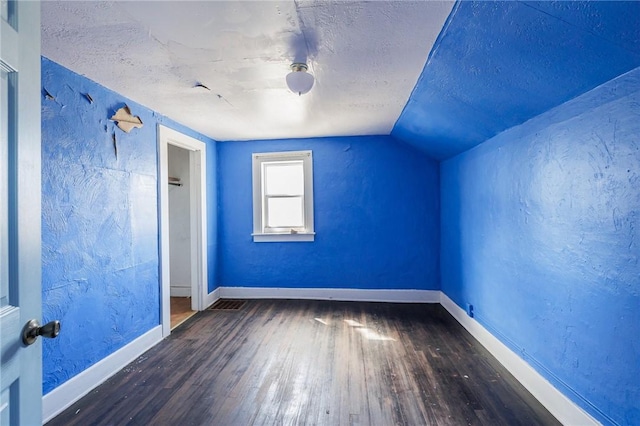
<point>32,330</point>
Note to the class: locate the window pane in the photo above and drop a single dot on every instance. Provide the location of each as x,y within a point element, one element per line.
<point>284,212</point>
<point>8,11</point>
<point>284,178</point>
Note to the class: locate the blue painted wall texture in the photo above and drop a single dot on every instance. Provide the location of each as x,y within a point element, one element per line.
<point>540,233</point>
<point>497,64</point>
<point>537,227</point>
<point>376,218</point>
<point>99,223</point>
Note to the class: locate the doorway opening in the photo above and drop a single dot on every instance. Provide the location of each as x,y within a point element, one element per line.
<point>182,189</point>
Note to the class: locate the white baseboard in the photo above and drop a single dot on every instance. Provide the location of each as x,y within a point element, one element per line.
<point>561,407</point>
<point>565,410</point>
<point>211,298</point>
<point>343,294</point>
<point>180,291</point>
<point>78,386</point>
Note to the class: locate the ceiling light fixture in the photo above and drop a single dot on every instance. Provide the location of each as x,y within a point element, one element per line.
<point>299,80</point>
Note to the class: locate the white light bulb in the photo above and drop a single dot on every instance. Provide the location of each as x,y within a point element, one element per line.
<point>299,80</point>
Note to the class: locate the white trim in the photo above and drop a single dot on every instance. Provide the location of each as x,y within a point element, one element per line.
<point>281,238</point>
<point>281,155</point>
<point>78,386</point>
<point>561,407</point>
<point>198,167</point>
<point>260,212</point>
<point>343,294</point>
<point>163,201</point>
<point>180,292</point>
<point>212,298</point>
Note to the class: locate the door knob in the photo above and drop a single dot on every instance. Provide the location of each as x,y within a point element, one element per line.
<point>32,330</point>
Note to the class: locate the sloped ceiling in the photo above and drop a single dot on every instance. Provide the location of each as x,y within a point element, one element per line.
<point>498,64</point>
<point>490,65</point>
<point>366,58</point>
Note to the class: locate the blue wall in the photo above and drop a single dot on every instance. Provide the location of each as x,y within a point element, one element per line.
<point>376,218</point>
<point>537,228</point>
<point>540,233</point>
<point>497,64</point>
<point>99,223</point>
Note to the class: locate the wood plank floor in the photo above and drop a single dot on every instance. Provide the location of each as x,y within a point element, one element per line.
<point>180,310</point>
<point>282,362</point>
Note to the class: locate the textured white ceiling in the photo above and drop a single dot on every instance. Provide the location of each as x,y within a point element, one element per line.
<point>366,58</point>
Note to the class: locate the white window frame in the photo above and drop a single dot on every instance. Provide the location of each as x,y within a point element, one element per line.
<point>260,233</point>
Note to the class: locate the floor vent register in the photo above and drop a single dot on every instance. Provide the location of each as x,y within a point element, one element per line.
<point>227,305</point>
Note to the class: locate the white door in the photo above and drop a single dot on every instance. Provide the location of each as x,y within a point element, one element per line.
<point>20,264</point>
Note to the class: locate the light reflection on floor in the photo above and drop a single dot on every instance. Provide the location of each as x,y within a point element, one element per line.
<point>372,335</point>
<point>366,332</point>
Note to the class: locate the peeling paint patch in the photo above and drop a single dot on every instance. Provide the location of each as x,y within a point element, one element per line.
<point>48,96</point>
<point>370,52</point>
<point>100,225</point>
<point>125,120</point>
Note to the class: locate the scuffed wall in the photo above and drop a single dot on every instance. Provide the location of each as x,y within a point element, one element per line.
<point>540,234</point>
<point>100,265</point>
<point>376,207</point>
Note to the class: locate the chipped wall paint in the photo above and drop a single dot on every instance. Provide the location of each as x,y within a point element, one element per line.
<point>99,223</point>
<point>376,218</point>
<point>540,234</point>
<point>497,64</point>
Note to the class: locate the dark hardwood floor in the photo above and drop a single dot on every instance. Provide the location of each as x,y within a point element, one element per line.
<point>288,362</point>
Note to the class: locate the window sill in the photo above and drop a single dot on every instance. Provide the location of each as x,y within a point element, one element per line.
<point>281,238</point>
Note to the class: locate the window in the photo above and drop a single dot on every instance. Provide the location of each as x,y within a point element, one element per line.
<point>283,196</point>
